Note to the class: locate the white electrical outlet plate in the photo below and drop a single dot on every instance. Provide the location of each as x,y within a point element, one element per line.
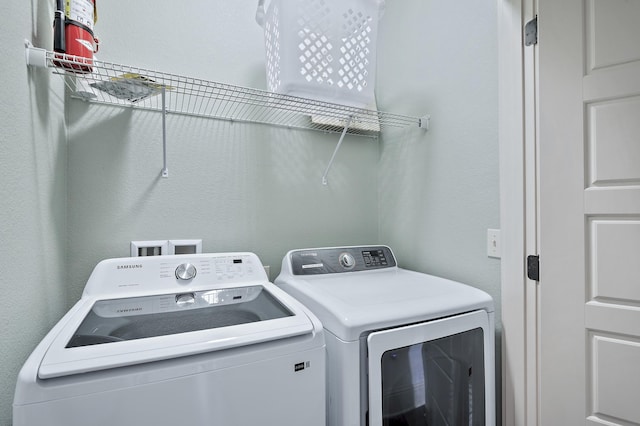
<point>185,246</point>
<point>149,248</point>
<point>494,246</point>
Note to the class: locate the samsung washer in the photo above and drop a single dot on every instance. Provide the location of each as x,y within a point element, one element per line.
<point>403,348</point>
<point>192,339</point>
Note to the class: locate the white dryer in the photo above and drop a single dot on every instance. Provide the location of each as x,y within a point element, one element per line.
<point>403,348</point>
<point>178,340</point>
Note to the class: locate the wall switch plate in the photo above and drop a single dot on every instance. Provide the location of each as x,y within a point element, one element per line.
<point>149,248</point>
<point>185,246</point>
<point>494,245</point>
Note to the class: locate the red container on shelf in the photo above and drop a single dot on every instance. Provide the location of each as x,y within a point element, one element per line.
<point>73,35</point>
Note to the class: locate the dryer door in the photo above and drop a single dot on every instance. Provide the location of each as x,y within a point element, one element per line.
<point>435,373</point>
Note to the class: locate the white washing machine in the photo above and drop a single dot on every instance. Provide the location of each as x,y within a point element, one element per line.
<point>178,340</point>
<point>403,348</point>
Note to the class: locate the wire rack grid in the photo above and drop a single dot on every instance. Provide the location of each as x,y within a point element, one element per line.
<point>110,83</point>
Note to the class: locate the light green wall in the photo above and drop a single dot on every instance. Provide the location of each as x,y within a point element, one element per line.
<point>439,190</point>
<point>33,162</point>
<point>236,186</point>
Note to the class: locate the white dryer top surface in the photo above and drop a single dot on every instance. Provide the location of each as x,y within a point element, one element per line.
<point>351,303</point>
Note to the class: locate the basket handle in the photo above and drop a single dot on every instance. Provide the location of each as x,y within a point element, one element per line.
<point>260,13</point>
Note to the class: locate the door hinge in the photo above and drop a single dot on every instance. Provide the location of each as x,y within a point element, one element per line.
<point>533,267</point>
<point>531,32</point>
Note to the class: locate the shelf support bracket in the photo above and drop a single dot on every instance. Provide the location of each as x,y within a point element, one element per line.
<point>165,171</point>
<point>424,122</point>
<point>35,57</point>
<point>335,151</point>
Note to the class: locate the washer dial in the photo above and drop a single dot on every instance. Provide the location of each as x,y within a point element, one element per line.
<point>185,271</point>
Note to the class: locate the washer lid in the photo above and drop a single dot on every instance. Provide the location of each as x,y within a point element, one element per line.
<point>350,304</point>
<point>111,333</point>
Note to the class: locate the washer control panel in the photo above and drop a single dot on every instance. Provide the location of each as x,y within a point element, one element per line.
<point>341,259</point>
<point>114,278</point>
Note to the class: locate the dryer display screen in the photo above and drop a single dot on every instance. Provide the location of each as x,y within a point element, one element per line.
<point>374,258</point>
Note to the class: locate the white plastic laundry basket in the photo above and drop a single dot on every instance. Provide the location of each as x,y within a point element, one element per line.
<point>322,49</point>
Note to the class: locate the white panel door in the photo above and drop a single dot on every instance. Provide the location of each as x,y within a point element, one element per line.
<point>589,163</point>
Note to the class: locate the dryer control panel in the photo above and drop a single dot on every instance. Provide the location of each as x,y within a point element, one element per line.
<point>341,259</point>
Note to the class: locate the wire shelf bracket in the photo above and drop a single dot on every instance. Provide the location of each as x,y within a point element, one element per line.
<point>335,151</point>
<point>165,172</point>
<point>101,82</point>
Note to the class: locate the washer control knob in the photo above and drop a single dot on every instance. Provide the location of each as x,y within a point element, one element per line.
<point>185,271</point>
<point>347,260</point>
<point>185,299</point>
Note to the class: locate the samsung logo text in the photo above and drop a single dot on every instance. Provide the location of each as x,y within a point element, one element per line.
<point>134,266</point>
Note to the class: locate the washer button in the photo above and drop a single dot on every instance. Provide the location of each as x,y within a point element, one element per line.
<point>185,299</point>
<point>185,271</point>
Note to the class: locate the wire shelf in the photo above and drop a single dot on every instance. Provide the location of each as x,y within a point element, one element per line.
<point>115,84</point>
